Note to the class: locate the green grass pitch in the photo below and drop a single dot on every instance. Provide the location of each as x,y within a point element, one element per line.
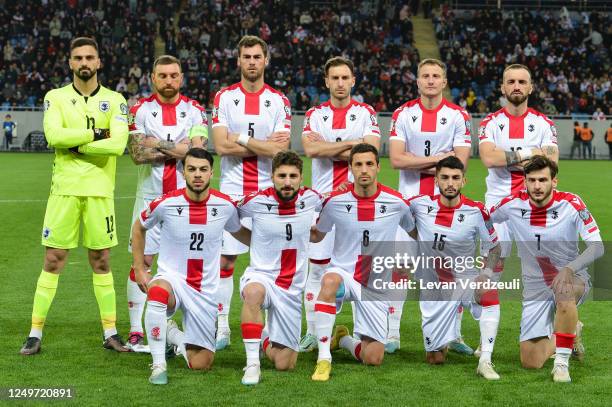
<point>72,354</point>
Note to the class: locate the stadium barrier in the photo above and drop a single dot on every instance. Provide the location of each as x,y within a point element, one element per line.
<point>30,122</point>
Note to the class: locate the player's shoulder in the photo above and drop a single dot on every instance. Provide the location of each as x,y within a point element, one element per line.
<point>105,92</point>
<point>492,117</point>
<point>276,93</point>
<point>221,196</point>
<point>338,195</point>
<point>309,193</point>
<point>570,199</point>
<point>419,199</point>
<point>540,116</point>
<point>456,108</point>
<point>364,106</point>
<point>166,198</point>
<point>317,109</point>
<point>511,200</point>
<point>192,103</point>
<point>391,193</point>
<point>140,103</point>
<point>404,108</point>
<point>477,205</point>
<point>59,92</point>
<point>226,90</point>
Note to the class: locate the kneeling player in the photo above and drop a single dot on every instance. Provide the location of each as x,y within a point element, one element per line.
<point>193,221</point>
<point>448,226</point>
<point>275,280</point>
<point>366,212</point>
<point>546,224</point>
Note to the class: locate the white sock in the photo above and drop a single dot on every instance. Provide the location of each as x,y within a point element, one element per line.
<point>110,332</point>
<point>395,318</point>
<point>136,301</point>
<point>311,292</point>
<point>177,338</point>
<point>252,351</point>
<point>562,356</point>
<point>156,326</point>
<point>459,320</point>
<point>352,345</point>
<point>226,289</point>
<point>37,333</point>
<point>325,316</point>
<point>489,321</point>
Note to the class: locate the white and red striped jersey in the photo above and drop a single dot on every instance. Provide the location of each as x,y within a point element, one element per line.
<point>191,235</point>
<point>426,133</point>
<point>451,231</point>
<point>358,222</point>
<point>547,237</point>
<point>166,121</point>
<point>352,122</point>
<point>258,115</point>
<point>511,133</point>
<point>281,235</point>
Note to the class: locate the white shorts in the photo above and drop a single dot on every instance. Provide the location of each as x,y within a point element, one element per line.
<point>370,316</point>
<point>538,316</point>
<point>323,249</point>
<point>284,309</point>
<point>153,234</point>
<point>230,246</point>
<point>199,311</point>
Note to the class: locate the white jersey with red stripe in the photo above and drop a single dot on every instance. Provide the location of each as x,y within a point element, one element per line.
<point>358,222</point>
<point>191,236</point>
<point>165,121</point>
<point>425,133</point>
<point>352,122</point>
<point>257,114</point>
<point>511,133</point>
<point>281,234</point>
<point>451,231</point>
<point>547,237</point>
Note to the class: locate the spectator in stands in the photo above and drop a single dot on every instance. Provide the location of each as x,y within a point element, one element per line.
<point>9,127</point>
<point>598,114</point>
<point>608,138</point>
<point>586,136</point>
<point>577,140</point>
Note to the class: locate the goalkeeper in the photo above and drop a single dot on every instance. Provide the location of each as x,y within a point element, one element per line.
<point>87,125</point>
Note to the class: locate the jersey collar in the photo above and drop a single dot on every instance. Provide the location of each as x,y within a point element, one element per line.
<point>158,100</point>
<point>92,93</point>
<point>370,198</point>
<point>437,109</point>
<point>203,203</point>
<point>246,92</point>
<point>461,200</point>
<point>553,198</point>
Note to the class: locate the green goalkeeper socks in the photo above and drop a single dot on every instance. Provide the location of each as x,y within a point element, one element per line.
<point>43,297</point>
<point>105,295</point>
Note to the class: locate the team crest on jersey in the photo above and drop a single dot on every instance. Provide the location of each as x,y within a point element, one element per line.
<point>461,218</point>
<point>236,101</point>
<point>325,118</point>
<point>46,232</point>
<point>348,208</point>
<point>429,209</point>
<point>383,208</point>
<point>443,121</point>
<point>353,117</point>
<point>414,118</point>
<point>123,108</point>
<point>214,212</point>
<point>554,214</point>
<point>501,127</point>
<point>46,105</point>
<point>523,212</point>
<point>531,128</point>
<point>104,106</point>
<point>267,103</point>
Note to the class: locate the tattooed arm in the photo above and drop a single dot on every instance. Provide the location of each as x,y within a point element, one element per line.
<point>141,153</point>
<point>551,152</point>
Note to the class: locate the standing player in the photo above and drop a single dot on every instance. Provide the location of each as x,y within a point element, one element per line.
<point>423,132</point>
<point>449,225</point>
<point>367,210</point>
<point>330,131</point>
<point>162,128</point>
<point>194,219</point>
<point>282,216</point>
<point>86,123</point>
<point>545,224</point>
<point>508,138</point>
<point>251,123</point>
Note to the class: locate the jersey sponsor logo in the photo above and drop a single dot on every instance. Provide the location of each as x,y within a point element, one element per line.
<point>124,109</point>
<point>267,103</point>
<point>46,105</point>
<point>501,127</point>
<point>236,101</point>
<point>523,213</point>
<point>104,106</point>
<point>325,118</point>
<point>383,208</point>
<point>428,340</point>
<point>443,121</point>
<point>154,114</point>
<point>461,218</point>
<point>554,214</point>
<point>179,210</point>
<point>214,212</point>
<point>348,208</point>
<point>414,118</point>
<point>531,128</point>
<point>352,117</point>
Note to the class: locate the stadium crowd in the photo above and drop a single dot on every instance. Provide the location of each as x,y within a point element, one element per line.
<point>569,54</point>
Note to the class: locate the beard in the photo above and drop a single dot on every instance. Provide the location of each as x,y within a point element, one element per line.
<point>279,193</point>
<point>168,93</point>
<point>450,196</point>
<point>197,190</point>
<point>543,198</point>
<point>517,99</point>
<point>252,76</point>
<point>85,74</point>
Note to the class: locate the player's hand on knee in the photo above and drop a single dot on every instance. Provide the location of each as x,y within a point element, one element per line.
<point>142,279</point>
<point>563,285</point>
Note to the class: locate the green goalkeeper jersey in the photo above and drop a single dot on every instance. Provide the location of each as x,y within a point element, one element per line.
<point>69,121</point>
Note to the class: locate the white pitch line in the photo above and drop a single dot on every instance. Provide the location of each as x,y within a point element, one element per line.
<point>45,200</point>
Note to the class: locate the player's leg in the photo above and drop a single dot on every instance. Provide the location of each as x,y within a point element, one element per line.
<point>160,299</point>
<point>488,321</point>
<point>313,285</point>
<point>283,357</point>
<point>226,289</point>
<point>284,324</point>
<point>325,317</point>
<point>372,351</point>
<point>99,236</point>
<point>60,233</point>
<point>566,320</point>
<point>537,343</point>
<point>536,351</point>
<point>371,327</point>
<point>199,358</point>
<point>438,319</point>
<point>253,297</point>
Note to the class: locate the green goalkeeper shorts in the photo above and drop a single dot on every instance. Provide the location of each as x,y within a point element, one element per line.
<point>63,219</point>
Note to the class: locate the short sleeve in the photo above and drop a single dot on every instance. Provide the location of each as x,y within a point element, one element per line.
<point>486,131</point>
<point>233,220</point>
<point>152,214</point>
<point>219,112</point>
<point>325,222</point>
<point>283,119</point>
<point>463,130</point>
